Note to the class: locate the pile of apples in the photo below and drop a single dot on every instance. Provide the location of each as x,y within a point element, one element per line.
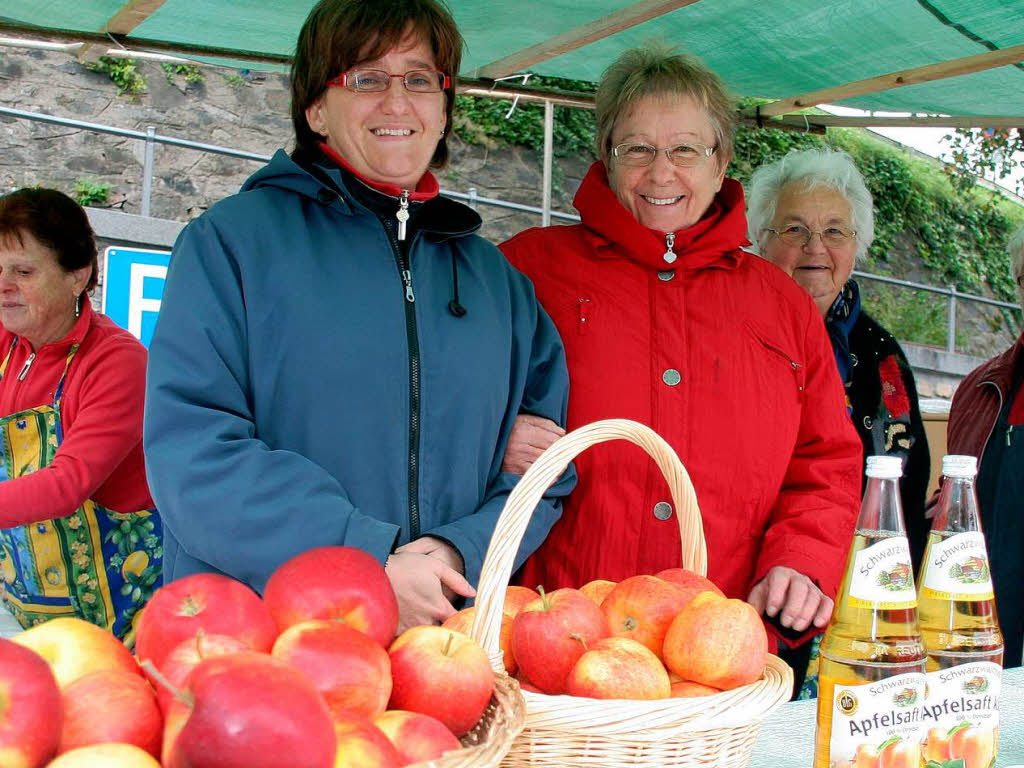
<point>309,676</point>
<point>647,637</point>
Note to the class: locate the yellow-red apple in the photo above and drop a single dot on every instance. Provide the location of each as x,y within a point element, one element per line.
<point>250,710</point>
<point>106,756</point>
<point>550,634</point>
<point>184,657</point>
<point>211,602</point>
<point>361,744</point>
<point>463,622</point>
<point>598,589</point>
<point>441,673</point>
<point>901,754</point>
<point>111,705</point>
<point>341,583</point>
<point>30,710</point>
<point>693,583</point>
<point>417,737</point>
<point>618,668</point>
<point>716,641</point>
<point>975,745</point>
<point>516,597</point>
<point>937,746</point>
<point>74,647</point>
<point>349,669</point>
<point>687,689</point>
<point>641,608</point>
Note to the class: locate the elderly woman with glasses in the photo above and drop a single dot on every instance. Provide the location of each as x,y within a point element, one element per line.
<point>340,357</point>
<point>810,214</point>
<point>667,321</point>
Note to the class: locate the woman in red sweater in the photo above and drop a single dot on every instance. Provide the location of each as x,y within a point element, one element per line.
<point>78,535</point>
<point>667,321</point>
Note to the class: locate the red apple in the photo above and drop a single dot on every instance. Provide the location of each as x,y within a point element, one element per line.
<point>418,738</point>
<point>516,598</point>
<point>175,716</point>
<point>74,647</point>
<point>111,706</point>
<point>184,657</point>
<point>211,602</point>
<point>618,668</point>
<point>349,669</point>
<point>693,583</point>
<point>361,744</point>
<point>250,710</point>
<point>106,756</point>
<point>342,583</point>
<point>550,634</point>
<point>642,607</point>
<point>598,589</point>
<point>441,673</point>
<point>30,710</point>
<point>687,689</point>
<point>463,622</point>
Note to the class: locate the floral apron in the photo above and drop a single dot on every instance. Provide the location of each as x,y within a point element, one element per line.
<point>95,564</point>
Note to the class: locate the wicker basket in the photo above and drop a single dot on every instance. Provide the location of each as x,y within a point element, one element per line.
<point>565,731</point>
<point>490,739</point>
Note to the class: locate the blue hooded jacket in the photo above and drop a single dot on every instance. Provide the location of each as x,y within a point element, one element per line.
<point>303,392</point>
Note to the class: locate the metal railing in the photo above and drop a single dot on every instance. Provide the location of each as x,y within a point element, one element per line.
<point>472,198</point>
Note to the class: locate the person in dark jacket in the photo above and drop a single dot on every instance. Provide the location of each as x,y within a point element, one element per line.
<point>986,420</point>
<point>339,357</point>
<point>810,213</point>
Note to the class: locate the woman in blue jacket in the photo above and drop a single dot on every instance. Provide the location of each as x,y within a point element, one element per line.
<point>339,358</point>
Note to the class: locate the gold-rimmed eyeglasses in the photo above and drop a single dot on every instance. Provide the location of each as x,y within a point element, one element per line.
<point>374,80</point>
<point>799,235</point>
<point>638,153</point>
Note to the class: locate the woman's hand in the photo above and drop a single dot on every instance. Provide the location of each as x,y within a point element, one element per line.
<point>531,435</point>
<point>426,576</point>
<point>793,597</point>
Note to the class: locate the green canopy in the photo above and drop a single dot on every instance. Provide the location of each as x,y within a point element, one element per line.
<point>968,51</point>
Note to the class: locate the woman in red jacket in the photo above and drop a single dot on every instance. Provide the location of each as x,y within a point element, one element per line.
<point>667,321</point>
<point>79,537</point>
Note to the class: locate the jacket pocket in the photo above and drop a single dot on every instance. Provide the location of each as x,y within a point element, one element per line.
<point>778,351</point>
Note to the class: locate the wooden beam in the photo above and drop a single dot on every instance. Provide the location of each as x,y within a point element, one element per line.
<point>130,15</point>
<point>926,74</point>
<point>792,122</point>
<point>614,22</point>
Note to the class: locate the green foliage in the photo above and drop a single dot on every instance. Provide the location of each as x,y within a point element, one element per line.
<point>235,81</point>
<point>190,72</point>
<point>486,121</point>
<point>978,152</point>
<point>907,314</point>
<point>123,73</point>
<point>91,192</point>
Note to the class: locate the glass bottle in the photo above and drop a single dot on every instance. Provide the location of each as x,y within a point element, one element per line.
<point>871,680</point>
<point>960,628</point>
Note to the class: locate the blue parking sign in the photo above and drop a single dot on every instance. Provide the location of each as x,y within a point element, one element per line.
<point>133,286</point>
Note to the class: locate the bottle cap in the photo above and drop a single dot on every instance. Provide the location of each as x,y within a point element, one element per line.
<point>885,467</point>
<point>959,466</point>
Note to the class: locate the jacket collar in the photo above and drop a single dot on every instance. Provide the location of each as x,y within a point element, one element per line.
<point>74,336</point>
<point>1000,369</point>
<point>426,189</point>
<point>714,241</point>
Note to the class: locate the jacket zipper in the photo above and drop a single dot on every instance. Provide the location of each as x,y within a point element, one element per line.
<point>28,364</point>
<point>1009,431</point>
<point>670,242</point>
<point>412,337</point>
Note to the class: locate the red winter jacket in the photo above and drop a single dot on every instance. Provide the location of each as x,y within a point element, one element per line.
<point>101,456</point>
<point>725,357</point>
<point>979,398</point>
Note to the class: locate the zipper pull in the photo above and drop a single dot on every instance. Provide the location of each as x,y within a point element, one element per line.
<point>407,282</point>
<point>403,214</point>
<point>670,241</point>
<point>1009,431</point>
<point>29,360</point>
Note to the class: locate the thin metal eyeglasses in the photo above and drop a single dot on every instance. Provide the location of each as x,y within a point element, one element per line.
<point>375,80</point>
<point>639,154</point>
<point>799,235</point>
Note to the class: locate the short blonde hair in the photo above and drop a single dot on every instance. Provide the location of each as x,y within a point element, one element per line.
<point>655,70</point>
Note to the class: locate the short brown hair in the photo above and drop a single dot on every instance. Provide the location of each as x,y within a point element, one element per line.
<point>655,70</point>
<point>56,222</point>
<point>338,34</point>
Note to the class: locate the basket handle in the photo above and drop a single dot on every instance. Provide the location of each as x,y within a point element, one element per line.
<point>541,475</point>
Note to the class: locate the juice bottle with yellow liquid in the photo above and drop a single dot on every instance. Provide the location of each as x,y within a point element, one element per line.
<point>960,628</point>
<point>871,675</point>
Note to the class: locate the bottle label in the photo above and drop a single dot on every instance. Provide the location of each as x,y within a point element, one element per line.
<point>957,569</point>
<point>883,576</point>
<point>878,718</point>
<point>961,713</point>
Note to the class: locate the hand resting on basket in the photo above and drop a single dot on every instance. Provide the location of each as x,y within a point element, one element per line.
<point>426,576</point>
<point>530,437</point>
<point>791,596</point>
